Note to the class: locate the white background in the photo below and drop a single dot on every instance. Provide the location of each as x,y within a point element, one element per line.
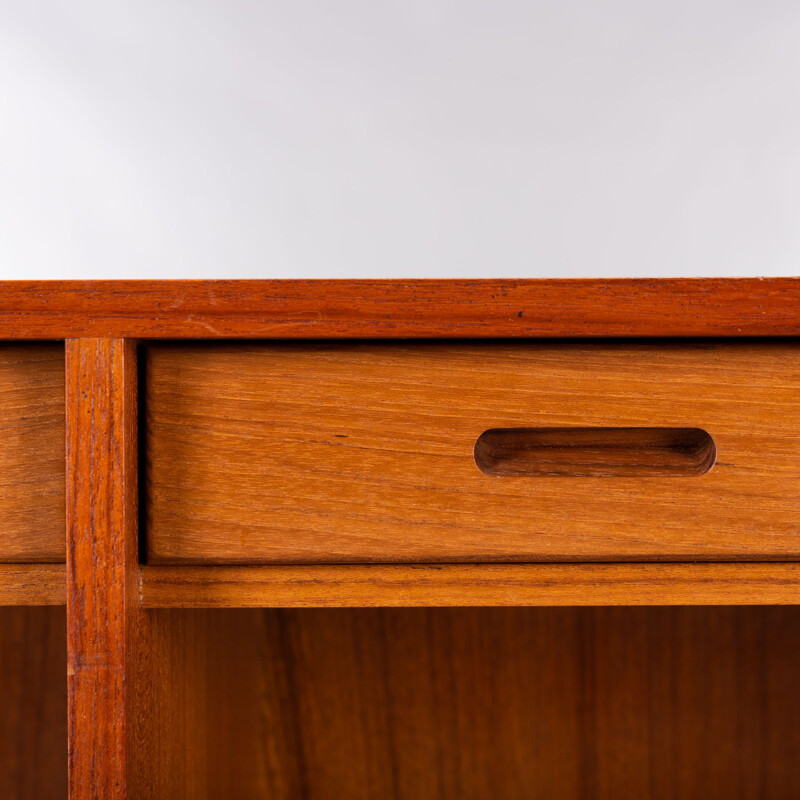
<point>399,138</point>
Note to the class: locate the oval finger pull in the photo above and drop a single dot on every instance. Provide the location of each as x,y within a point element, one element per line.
<point>595,452</point>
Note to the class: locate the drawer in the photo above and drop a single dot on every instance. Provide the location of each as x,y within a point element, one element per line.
<point>471,451</point>
<point>32,453</point>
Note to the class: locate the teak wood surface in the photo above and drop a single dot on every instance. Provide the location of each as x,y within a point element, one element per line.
<point>437,585</point>
<point>400,309</point>
<point>363,452</point>
<point>32,452</point>
<point>33,703</point>
<point>174,702</point>
<point>102,590</point>
<point>33,585</point>
<point>434,704</point>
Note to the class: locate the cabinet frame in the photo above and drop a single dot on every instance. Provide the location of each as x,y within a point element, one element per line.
<point>107,589</point>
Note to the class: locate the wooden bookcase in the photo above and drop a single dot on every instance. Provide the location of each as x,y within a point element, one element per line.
<point>247,550</point>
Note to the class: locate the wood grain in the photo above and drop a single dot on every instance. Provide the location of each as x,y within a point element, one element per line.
<point>33,585</point>
<point>203,670</point>
<point>375,585</point>
<point>363,452</point>
<point>434,704</point>
<point>392,309</point>
<point>33,704</point>
<point>32,452</point>
<point>102,557</point>
<point>394,703</point>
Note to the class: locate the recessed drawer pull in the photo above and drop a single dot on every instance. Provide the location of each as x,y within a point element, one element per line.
<point>595,452</point>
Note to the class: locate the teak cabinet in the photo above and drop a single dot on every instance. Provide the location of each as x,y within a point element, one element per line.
<point>375,539</point>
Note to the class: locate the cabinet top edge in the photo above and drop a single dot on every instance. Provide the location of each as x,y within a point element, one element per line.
<point>429,308</point>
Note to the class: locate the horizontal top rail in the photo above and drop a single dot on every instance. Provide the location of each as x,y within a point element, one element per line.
<point>298,309</point>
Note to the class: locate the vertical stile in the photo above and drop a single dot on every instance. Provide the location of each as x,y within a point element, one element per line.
<point>102,568</point>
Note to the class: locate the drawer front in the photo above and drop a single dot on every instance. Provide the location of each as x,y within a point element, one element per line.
<point>363,452</point>
<point>32,453</point>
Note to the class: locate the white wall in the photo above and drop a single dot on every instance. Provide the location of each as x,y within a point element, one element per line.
<point>399,138</point>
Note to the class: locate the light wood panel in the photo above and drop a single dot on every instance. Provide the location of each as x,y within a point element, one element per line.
<point>375,585</point>
<point>33,704</point>
<point>33,585</point>
<point>348,452</point>
<point>32,452</point>
<point>432,704</point>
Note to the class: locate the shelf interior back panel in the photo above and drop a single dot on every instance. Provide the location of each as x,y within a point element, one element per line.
<point>33,703</point>
<point>32,453</point>
<point>469,451</point>
<point>514,703</point>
